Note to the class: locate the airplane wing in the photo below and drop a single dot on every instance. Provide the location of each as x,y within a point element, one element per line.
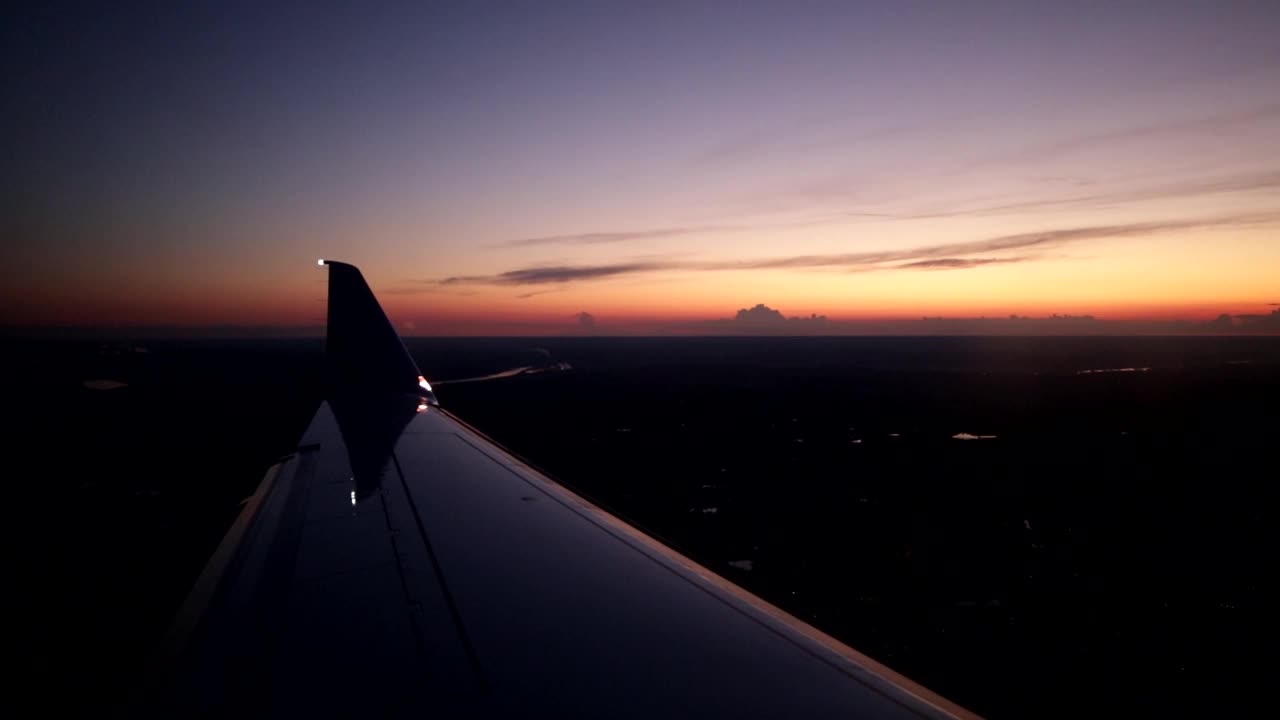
<point>401,564</point>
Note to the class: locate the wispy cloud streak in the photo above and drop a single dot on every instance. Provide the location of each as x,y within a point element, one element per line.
<point>600,238</point>
<point>948,256</point>
<point>1021,241</point>
<point>557,274</point>
<point>1247,182</point>
<point>958,263</point>
<point>1223,122</point>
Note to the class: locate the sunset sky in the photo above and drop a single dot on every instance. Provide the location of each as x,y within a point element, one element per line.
<point>500,168</point>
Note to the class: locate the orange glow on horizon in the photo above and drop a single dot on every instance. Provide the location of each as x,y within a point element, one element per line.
<point>1198,280</point>
<point>486,314</point>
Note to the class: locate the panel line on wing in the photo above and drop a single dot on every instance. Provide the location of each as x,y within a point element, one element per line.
<point>452,605</point>
<point>392,530</point>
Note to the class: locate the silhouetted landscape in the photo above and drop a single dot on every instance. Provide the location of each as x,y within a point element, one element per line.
<point>1030,526</point>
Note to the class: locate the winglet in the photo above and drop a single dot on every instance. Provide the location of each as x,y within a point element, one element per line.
<point>363,350</point>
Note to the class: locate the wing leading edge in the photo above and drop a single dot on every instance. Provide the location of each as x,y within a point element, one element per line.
<point>402,563</point>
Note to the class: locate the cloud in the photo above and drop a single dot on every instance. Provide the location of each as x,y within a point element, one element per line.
<point>761,313</point>
<point>535,293</point>
<point>764,320</point>
<point>598,238</point>
<point>888,195</point>
<point>1269,322</point>
<point>957,263</point>
<point>952,251</point>
<point>1011,325</point>
<point>556,274</point>
<point>1222,122</point>
<point>1244,182</point>
<point>586,320</point>
<point>947,256</point>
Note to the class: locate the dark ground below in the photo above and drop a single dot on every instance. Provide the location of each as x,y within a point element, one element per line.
<point>1104,553</point>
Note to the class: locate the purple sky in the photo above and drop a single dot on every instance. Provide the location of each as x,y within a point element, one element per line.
<point>186,163</point>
